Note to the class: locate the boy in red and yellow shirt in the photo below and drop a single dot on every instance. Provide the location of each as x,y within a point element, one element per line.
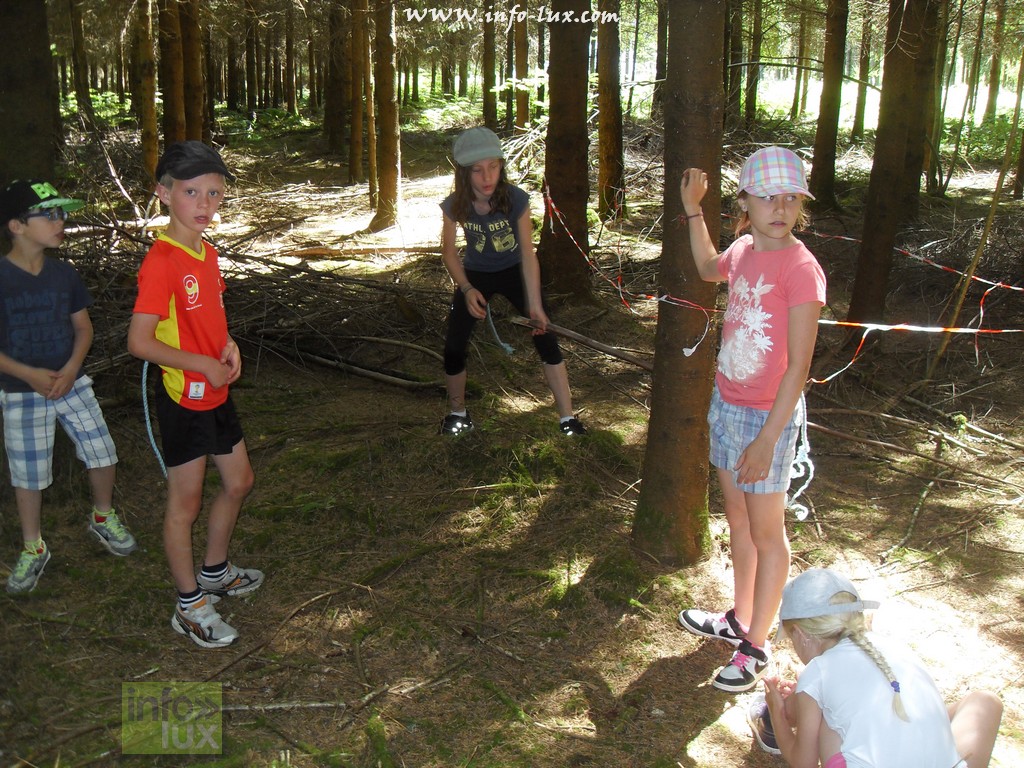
<point>179,324</point>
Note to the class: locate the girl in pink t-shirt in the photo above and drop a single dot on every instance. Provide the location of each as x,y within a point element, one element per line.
<point>776,291</point>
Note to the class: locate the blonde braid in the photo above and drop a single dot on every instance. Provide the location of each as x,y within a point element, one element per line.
<point>852,625</point>
<point>862,642</point>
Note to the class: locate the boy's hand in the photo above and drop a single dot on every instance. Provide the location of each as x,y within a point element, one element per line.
<point>692,188</point>
<point>218,374</point>
<point>232,358</point>
<point>41,380</point>
<point>61,383</point>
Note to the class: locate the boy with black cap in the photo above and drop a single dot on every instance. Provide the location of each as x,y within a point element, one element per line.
<point>179,324</point>
<point>45,334</point>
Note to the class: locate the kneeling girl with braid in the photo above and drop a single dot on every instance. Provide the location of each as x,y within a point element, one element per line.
<point>861,700</point>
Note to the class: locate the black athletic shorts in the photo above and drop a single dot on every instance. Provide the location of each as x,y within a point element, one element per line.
<point>188,435</point>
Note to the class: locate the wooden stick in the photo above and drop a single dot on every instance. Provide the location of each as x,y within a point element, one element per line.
<point>613,351</point>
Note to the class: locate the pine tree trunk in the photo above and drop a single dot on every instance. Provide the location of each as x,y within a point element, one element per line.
<point>799,73</point>
<point>921,111</point>
<point>996,65</point>
<point>389,155</point>
<point>145,94</point>
<point>360,13</point>
<point>369,99</point>
<point>291,103</point>
<point>754,66</point>
<point>734,82</point>
<point>538,112</point>
<point>30,131</point>
<point>566,147</point>
<point>660,59</point>
<point>80,64</point>
<point>172,77</point>
<point>252,83</point>
<point>522,48</point>
<point>883,210</point>
<point>490,98</point>
<point>863,72</point>
<point>823,172</point>
<point>338,89</point>
<point>671,519</point>
<point>194,83</point>
<point>611,168</point>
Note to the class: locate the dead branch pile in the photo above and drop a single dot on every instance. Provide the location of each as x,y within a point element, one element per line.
<point>278,303</point>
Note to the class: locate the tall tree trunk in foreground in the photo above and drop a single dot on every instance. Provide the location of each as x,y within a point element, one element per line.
<point>671,521</point>
<point>566,162</point>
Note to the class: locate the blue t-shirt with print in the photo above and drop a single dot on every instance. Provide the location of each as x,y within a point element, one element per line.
<point>492,241</point>
<point>35,316</point>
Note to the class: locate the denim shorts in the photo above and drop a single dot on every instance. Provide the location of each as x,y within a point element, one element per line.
<point>734,427</point>
<point>30,427</point>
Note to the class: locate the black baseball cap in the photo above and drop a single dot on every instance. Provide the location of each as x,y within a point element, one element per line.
<point>188,159</point>
<point>20,197</point>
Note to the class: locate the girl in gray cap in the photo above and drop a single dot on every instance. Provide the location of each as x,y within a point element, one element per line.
<point>499,258</point>
<point>862,701</point>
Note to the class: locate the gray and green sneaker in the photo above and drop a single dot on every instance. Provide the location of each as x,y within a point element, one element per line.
<point>27,571</point>
<point>112,534</point>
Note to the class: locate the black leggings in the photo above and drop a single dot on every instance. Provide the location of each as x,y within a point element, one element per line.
<point>507,282</point>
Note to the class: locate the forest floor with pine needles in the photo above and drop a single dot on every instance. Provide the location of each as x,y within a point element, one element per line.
<point>477,601</point>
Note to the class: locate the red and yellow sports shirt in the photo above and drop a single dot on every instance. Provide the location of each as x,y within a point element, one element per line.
<point>186,291</point>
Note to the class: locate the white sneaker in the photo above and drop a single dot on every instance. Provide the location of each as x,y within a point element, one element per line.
<point>203,625</point>
<point>237,581</point>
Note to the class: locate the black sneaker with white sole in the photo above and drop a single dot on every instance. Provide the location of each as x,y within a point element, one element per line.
<point>453,424</point>
<point>720,626</point>
<point>748,665</point>
<point>572,427</point>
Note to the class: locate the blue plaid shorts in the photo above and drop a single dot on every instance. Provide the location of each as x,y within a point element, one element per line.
<point>734,427</point>
<point>30,427</point>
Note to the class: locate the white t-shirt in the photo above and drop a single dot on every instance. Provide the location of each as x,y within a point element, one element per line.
<point>856,701</point>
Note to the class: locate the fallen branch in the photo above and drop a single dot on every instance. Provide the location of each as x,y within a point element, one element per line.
<point>608,350</point>
<point>289,705</point>
<point>375,375</point>
<point>907,451</point>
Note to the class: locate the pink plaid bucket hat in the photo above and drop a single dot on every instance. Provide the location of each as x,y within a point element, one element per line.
<point>774,171</point>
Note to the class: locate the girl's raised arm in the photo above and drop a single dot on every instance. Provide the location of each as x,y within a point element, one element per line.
<point>692,188</point>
